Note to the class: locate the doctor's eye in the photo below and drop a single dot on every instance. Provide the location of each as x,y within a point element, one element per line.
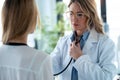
<point>80,15</point>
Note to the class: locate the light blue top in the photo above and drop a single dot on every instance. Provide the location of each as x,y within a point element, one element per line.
<point>96,63</point>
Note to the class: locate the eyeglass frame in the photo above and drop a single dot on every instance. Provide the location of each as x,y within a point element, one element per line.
<point>78,15</point>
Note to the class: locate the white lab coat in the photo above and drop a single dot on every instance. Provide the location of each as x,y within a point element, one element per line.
<point>24,63</point>
<point>96,63</point>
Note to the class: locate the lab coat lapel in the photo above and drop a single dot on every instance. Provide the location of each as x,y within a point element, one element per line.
<point>91,42</point>
<point>67,56</point>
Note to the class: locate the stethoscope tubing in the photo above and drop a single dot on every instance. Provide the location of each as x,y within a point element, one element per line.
<point>63,69</point>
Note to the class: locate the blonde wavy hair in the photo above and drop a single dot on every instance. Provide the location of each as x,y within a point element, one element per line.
<point>90,10</point>
<point>17,18</point>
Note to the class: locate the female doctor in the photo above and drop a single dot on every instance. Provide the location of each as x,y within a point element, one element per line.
<point>92,52</point>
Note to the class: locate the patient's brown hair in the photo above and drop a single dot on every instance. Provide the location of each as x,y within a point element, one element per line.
<point>17,17</point>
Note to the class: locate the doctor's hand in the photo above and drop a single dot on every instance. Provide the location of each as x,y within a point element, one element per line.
<point>75,50</point>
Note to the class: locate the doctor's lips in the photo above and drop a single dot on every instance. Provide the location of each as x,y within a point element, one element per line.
<point>75,24</point>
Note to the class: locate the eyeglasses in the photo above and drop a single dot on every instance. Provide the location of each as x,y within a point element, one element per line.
<point>78,15</point>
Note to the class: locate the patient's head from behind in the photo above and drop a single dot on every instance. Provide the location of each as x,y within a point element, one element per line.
<point>18,19</point>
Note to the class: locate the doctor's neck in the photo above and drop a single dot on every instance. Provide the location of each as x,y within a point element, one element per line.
<point>79,33</point>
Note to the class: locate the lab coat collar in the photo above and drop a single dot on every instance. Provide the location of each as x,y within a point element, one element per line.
<point>92,38</point>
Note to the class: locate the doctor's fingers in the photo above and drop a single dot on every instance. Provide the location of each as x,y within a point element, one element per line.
<point>72,47</point>
<point>72,44</point>
<point>78,45</point>
<point>71,52</point>
<point>75,46</point>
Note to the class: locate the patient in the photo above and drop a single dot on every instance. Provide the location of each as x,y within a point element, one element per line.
<point>18,61</point>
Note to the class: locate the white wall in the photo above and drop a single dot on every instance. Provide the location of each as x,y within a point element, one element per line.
<point>113,18</point>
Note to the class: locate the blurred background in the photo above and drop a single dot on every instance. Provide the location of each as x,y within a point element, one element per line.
<point>54,24</point>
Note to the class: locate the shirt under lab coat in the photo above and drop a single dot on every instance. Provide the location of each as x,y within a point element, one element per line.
<point>24,63</point>
<point>96,63</point>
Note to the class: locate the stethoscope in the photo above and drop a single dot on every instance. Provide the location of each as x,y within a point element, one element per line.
<point>77,40</point>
